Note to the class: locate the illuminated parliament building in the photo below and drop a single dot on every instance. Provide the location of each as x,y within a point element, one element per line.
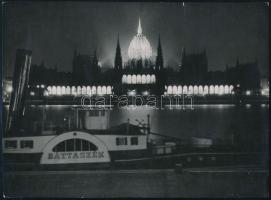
<point>143,73</point>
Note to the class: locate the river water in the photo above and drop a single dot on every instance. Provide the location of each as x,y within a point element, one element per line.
<point>216,122</point>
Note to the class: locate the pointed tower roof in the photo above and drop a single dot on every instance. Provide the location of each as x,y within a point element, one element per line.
<point>139,29</point>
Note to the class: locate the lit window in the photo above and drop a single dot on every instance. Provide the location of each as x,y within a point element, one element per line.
<point>221,90</point>
<point>63,90</point>
<point>99,90</point>
<point>68,90</point>
<point>226,90</point>
<point>26,144</point>
<point>196,89</point>
<point>84,90</point>
<point>134,140</point>
<point>143,79</point>
<point>108,90</point>
<point>211,90</point>
<point>58,90</point>
<point>201,90</point>
<point>148,79</point>
<point>134,79</point>
<point>216,89</point>
<point>169,89</point>
<point>138,79</point>
<point>124,79</point>
<point>205,90</point>
<point>54,90</point>
<point>180,89</point>
<point>11,144</point>
<point>104,90</point>
<point>185,89</point>
<point>153,79</point>
<point>174,89</point>
<point>129,79</point>
<point>49,90</point>
<point>88,90</point>
<point>190,89</point>
<point>79,90</point>
<point>73,90</point>
<point>93,90</point>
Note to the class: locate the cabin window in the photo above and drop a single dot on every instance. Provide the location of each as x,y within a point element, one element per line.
<point>121,141</point>
<point>26,144</point>
<point>11,144</point>
<point>75,145</point>
<point>134,140</point>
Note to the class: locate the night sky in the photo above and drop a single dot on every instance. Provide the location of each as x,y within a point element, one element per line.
<point>52,30</point>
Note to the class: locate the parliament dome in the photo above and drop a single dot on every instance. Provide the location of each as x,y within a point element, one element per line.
<point>139,47</point>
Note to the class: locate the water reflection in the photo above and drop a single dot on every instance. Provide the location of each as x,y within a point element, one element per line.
<point>210,121</point>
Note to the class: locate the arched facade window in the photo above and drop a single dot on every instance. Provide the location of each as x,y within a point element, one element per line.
<point>68,90</point>
<point>138,79</point>
<point>54,90</point>
<point>79,90</point>
<point>153,79</point>
<point>99,90</point>
<point>180,89</point>
<point>190,89</point>
<point>63,90</point>
<point>124,79</point>
<point>108,90</point>
<point>129,79</point>
<point>144,79</point>
<point>196,89</point>
<point>49,89</point>
<point>201,90</point>
<point>148,79</point>
<point>103,90</point>
<point>205,90</point>
<point>75,145</point>
<point>226,89</point>
<point>88,90</point>
<point>58,90</point>
<point>73,90</point>
<point>185,89</point>
<point>169,89</point>
<point>221,90</point>
<point>84,90</point>
<point>134,79</point>
<point>93,90</point>
<point>216,89</point>
<point>174,90</point>
<point>212,89</point>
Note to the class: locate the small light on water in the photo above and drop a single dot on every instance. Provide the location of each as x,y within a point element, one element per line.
<point>248,92</point>
<point>9,89</point>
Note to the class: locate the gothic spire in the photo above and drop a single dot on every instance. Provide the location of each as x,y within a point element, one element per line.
<point>139,29</point>
<point>159,57</point>
<point>118,58</point>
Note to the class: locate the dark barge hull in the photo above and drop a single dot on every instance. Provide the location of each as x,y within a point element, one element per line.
<point>152,162</point>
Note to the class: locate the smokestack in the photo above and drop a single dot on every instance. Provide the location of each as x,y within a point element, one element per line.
<point>20,86</point>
